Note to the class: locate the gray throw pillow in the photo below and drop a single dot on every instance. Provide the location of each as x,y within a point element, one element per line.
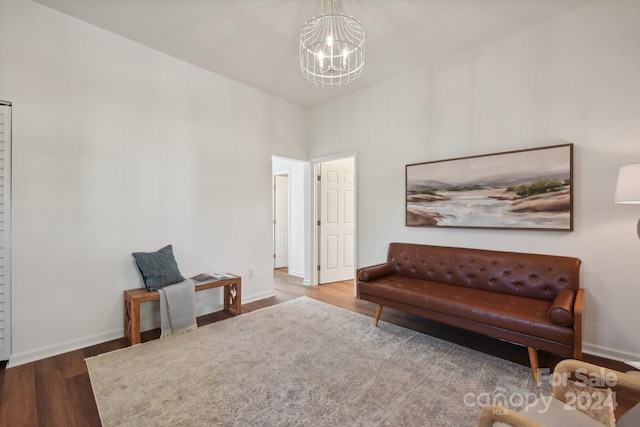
<point>159,268</point>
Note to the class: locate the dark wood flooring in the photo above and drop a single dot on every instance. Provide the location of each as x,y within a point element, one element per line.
<point>57,392</point>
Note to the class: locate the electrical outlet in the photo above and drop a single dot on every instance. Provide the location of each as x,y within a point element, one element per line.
<point>251,272</point>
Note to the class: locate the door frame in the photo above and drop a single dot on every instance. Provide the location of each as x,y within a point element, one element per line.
<point>8,217</point>
<point>315,200</point>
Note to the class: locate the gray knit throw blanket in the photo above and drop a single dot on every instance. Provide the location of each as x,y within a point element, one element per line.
<point>178,308</point>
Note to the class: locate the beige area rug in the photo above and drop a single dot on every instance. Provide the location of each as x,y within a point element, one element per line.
<point>302,363</point>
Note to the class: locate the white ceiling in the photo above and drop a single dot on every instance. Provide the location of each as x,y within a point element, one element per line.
<point>256,41</point>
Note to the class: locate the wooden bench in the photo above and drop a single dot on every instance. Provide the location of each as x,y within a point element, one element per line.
<point>134,297</point>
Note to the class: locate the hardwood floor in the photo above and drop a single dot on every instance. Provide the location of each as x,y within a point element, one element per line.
<point>57,392</point>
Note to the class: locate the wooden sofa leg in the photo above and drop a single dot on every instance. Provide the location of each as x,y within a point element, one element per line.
<point>378,313</point>
<point>533,360</point>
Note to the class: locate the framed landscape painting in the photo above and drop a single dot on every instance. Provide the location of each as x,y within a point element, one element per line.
<point>526,189</point>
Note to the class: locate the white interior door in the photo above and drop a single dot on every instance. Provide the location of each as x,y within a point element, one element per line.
<point>336,221</point>
<point>281,221</point>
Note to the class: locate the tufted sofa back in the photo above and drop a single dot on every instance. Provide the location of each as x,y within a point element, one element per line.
<point>528,275</point>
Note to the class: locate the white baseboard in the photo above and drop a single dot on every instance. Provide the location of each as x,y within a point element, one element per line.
<point>296,273</point>
<point>44,352</point>
<point>258,297</point>
<point>609,353</point>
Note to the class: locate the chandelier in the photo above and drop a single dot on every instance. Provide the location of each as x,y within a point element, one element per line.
<point>332,47</point>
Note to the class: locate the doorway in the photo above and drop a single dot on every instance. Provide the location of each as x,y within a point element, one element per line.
<point>290,218</point>
<point>280,221</point>
<point>335,212</point>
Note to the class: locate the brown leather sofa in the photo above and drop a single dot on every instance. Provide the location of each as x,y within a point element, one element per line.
<point>529,299</point>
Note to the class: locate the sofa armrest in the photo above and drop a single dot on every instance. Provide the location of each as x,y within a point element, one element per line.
<point>375,272</point>
<point>590,373</point>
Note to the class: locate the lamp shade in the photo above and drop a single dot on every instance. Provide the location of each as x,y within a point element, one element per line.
<point>628,186</point>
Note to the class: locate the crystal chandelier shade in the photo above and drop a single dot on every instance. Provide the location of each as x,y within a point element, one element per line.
<point>332,47</point>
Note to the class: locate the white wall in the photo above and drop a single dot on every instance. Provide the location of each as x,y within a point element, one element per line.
<point>575,79</point>
<point>118,148</point>
<point>296,172</point>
